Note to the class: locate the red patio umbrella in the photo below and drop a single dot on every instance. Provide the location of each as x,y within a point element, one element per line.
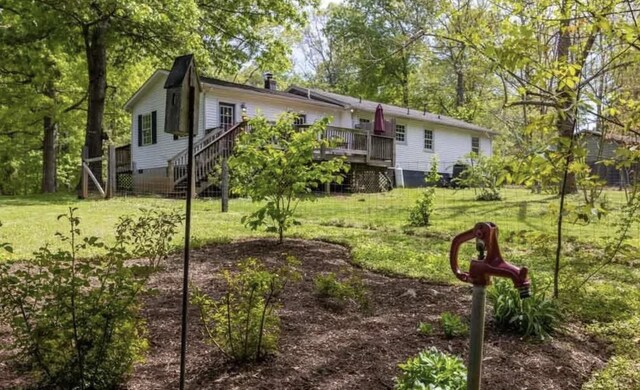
<point>378,122</point>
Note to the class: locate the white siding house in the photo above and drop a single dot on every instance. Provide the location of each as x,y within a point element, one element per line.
<point>419,135</point>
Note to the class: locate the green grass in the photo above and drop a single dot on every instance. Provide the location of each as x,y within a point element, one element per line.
<point>375,227</point>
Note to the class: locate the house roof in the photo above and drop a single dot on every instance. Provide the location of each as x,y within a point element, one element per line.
<point>396,111</point>
<point>614,137</point>
<point>316,96</point>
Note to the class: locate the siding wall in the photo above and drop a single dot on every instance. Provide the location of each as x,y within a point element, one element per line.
<point>450,144</point>
<point>157,155</point>
<point>267,106</point>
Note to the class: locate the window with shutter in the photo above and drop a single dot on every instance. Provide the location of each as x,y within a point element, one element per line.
<point>146,132</point>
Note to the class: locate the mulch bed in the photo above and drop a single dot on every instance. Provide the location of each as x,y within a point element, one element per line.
<point>322,348</point>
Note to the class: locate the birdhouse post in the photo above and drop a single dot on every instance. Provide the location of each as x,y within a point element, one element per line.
<point>181,119</point>
<point>183,97</point>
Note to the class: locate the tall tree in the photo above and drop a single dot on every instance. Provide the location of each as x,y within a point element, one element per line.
<point>115,34</point>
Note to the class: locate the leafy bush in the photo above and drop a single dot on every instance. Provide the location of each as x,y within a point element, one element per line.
<point>150,233</point>
<point>432,369</point>
<point>243,324</point>
<point>74,320</point>
<point>274,164</point>
<point>340,290</point>
<point>534,316</point>
<point>453,325</point>
<point>425,328</point>
<point>421,212</point>
<point>486,174</point>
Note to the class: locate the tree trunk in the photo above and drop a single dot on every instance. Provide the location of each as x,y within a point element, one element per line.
<point>459,89</point>
<point>96,53</point>
<point>49,184</point>
<point>567,110</point>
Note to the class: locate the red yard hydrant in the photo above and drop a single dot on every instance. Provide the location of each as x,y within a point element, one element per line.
<point>489,263</point>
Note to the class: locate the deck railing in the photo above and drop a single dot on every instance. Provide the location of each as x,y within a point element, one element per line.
<point>381,148</point>
<point>358,142</point>
<point>350,142</point>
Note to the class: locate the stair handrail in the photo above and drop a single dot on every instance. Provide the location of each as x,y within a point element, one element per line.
<point>197,145</point>
<point>202,146</point>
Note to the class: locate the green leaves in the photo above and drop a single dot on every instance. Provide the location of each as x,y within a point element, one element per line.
<point>243,323</point>
<point>486,174</point>
<point>149,234</point>
<point>274,164</point>
<point>421,212</point>
<point>74,319</point>
<point>535,316</point>
<point>453,325</point>
<point>432,370</point>
<point>342,289</point>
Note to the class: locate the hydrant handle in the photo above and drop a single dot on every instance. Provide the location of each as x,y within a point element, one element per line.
<point>453,254</point>
<point>490,263</point>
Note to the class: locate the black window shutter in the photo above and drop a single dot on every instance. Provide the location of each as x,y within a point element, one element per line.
<point>139,130</point>
<point>154,127</point>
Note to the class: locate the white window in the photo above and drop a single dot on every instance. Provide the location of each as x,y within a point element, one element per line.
<point>147,130</point>
<point>428,139</point>
<point>365,120</point>
<point>300,119</point>
<point>401,133</point>
<point>475,145</point>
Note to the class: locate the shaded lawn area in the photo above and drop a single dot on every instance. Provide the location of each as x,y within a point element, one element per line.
<point>374,227</point>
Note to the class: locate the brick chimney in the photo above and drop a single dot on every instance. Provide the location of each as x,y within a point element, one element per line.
<point>269,81</point>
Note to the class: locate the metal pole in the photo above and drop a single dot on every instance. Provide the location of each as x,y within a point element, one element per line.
<point>474,373</point>
<point>187,241</point>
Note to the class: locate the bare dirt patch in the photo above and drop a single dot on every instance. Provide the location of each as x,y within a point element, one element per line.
<point>327,349</point>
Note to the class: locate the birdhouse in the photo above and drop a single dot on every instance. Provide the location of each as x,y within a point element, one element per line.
<point>183,97</point>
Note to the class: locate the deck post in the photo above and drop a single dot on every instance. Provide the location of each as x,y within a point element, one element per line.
<point>369,151</point>
<point>193,175</point>
<point>224,186</point>
<point>111,172</point>
<point>170,173</point>
<point>84,177</point>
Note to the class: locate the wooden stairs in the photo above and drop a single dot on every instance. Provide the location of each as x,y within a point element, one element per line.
<point>209,152</point>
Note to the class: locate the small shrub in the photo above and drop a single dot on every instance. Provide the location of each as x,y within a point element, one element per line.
<point>150,233</point>
<point>342,290</point>
<point>485,174</point>
<point>421,213</point>
<point>243,324</point>
<point>425,328</point>
<point>432,369</point>
<point>74,320</point>
<point>453,325</point>
<point>534,316</point>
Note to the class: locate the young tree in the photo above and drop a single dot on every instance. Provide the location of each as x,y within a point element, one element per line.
<point>274,164</point>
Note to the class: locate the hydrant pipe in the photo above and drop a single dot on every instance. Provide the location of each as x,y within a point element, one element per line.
<point>474,372</point>
<point>488,264</point>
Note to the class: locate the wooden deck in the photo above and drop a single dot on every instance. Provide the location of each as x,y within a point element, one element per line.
<point>359,146</point>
